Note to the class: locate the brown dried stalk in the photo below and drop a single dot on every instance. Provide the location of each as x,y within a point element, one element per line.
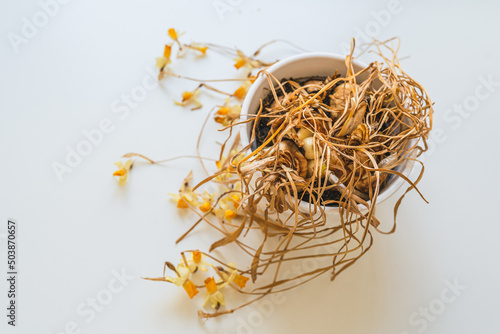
<point>331,142</point>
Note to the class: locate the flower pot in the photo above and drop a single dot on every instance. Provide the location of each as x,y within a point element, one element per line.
<point>313,65</point>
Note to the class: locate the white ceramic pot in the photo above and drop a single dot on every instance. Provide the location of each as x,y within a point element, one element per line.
<point>311,65</point>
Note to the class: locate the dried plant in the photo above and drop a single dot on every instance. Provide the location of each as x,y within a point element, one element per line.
<point>317,143</point>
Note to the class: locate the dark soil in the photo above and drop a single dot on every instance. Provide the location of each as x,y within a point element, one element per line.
<point>328,195</point>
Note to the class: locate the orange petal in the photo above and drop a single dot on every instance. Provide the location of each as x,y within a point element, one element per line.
<point>205,207</point>
<point>223,111</point>
<point>202,49</point>
<point>240,92</point>
<point>196,257</point>
<point>181,204</point>
<point>220,120</point>
<point>239,63</point>
<point>190,288</point>
<point>230,214</point>
<point>235,199</point>
<point>119,172</point>
<point>240,280</point>
<point>173,34</point>
<point>168,51</point>
<point>186,96</point>
<point>210,285</point>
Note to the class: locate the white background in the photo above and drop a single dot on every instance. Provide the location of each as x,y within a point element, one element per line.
<point>75,234</point>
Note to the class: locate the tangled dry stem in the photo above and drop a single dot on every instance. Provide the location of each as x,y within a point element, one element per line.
<point>340,134</point>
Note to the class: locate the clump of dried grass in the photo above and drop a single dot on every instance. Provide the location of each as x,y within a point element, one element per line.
<point>340,133</point>
<point>336,135</point>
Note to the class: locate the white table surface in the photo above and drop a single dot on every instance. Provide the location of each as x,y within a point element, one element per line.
<point>75,236</point>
